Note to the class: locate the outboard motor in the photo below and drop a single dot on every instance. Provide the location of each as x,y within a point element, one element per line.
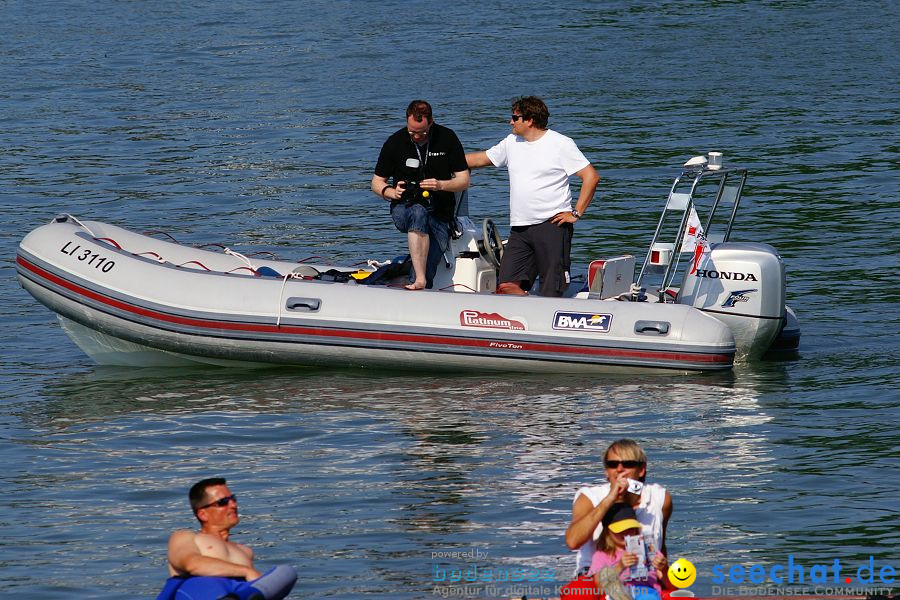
<point>743,285</point>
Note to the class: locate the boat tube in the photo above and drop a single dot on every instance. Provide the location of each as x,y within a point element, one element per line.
<point>127,298</point>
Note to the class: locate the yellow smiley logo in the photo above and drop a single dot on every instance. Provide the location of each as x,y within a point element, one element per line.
<point>682,573</point>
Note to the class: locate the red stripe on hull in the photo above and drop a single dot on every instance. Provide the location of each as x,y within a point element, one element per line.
<point>434,340</point>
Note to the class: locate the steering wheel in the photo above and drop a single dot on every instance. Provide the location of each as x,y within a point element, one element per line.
<point>491,244</point>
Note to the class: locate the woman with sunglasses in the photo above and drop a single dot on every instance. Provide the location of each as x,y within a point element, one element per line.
<point>623,460</point>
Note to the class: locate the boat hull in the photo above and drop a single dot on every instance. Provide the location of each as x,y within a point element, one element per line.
<point>146,312</point>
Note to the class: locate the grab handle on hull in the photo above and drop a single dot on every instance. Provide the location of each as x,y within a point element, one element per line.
<point>651,327</point>
<point>307,304</point>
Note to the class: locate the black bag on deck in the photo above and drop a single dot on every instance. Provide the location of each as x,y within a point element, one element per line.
<point>398,267</point>
<point>334,275</point>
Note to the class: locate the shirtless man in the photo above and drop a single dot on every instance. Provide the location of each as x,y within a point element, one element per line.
<point>208,552</point>
<point>205,565</point>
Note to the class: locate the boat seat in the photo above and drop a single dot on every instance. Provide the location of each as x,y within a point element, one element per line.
<point>612,277</point>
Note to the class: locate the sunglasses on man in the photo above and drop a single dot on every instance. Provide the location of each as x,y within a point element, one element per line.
<point>628,464</point>
<point>221,502</point>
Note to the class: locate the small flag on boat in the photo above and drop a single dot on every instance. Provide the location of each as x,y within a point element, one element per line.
<point>700,249</point>
<point>694,231</point>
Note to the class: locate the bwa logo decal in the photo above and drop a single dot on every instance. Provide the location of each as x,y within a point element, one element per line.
<point>582,321</point>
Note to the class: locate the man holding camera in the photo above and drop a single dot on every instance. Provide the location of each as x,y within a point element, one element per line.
<point>427,165</point>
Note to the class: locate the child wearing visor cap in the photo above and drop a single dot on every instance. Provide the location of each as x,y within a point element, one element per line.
<point>621,566</point>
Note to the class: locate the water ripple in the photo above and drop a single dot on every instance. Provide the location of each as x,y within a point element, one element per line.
<point>258,126</point>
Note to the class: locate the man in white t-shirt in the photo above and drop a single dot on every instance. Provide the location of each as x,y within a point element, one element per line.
<point>540,162</point>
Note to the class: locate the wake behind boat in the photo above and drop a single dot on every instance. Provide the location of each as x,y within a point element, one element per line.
<point>128,298</point>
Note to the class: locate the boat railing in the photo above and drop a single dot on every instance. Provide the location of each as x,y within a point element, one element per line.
<point>680,204</point>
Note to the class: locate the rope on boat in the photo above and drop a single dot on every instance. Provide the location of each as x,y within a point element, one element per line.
<point>240,256</point>
<point>196,262</point>
<point>154,254</point>
<point>453,285</point>
<point>156,231</point>
<point>82,225</point>
<point>110,240</point>
<point>281,294</point>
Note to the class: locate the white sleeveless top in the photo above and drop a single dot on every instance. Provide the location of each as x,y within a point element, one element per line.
<point>648,512</point>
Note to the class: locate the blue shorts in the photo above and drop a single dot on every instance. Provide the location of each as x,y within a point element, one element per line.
<point>415,217</point>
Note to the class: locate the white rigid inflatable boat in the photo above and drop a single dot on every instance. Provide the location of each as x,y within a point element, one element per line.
<point>127,298</point>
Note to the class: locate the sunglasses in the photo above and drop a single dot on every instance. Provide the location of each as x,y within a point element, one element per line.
<point>221,502</point>
<point>628,464</point>
<point>517,117</point>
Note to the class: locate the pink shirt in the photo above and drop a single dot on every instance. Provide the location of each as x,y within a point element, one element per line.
<point>601,559</point>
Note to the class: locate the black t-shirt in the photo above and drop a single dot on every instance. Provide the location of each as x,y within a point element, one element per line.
<point>442,156</point>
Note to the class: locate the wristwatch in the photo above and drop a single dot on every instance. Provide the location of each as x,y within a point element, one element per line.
<point>576,214</point>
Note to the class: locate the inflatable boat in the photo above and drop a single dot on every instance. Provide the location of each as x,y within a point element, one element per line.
<point>128,298</point>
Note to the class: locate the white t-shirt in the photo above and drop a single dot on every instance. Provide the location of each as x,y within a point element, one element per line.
<point>648,512</point>
<point>539,174</point>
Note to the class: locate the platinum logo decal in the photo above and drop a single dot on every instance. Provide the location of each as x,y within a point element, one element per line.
<point>475,318</point>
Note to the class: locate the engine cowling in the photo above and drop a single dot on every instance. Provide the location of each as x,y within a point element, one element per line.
<point>743,285</point>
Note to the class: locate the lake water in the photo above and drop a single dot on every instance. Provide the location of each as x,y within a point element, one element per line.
<point>258,124</point>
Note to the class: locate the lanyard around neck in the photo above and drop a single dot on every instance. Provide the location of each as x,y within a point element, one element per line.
<point>423,162</point>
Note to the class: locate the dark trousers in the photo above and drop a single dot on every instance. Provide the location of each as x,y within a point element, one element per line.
<point>538,250</point>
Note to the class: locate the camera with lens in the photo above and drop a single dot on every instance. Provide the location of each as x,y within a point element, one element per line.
<point>635,487</point>
<point>414,194</point>
<point>412,186</point>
